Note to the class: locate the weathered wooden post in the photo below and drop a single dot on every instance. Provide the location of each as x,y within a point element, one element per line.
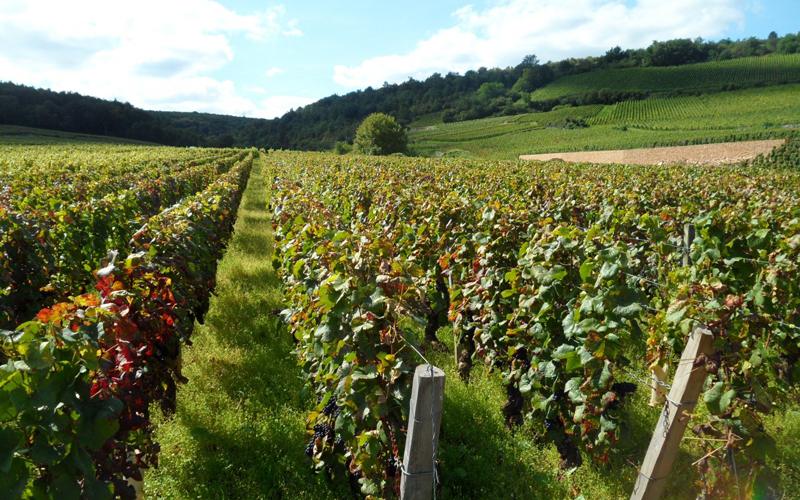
<point>424,420</point>
<point>688,239</point>
<point>671,425</point>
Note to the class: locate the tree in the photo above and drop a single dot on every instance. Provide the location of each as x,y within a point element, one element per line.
<point>342,148</point>
<point>380,134</point>
<point>489,91</point>
<point>530,61</point>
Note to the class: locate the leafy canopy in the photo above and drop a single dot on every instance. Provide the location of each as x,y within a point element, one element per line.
<point>380,134</point>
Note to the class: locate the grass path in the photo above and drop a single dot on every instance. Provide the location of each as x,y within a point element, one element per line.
<point>238,432</point>
<point>239,428</point>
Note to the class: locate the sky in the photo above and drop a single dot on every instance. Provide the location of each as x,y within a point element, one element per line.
<point>263,58</point>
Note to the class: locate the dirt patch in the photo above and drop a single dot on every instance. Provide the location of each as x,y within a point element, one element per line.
<point>704,154</point>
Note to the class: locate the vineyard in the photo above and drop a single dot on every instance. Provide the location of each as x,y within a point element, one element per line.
<point>552,295</point>
<point>750,114</point>
<point>572,284</point>
<point>109,257</point>
<point>746,108</point>
<point>28,136</point>
<point>744,72</point>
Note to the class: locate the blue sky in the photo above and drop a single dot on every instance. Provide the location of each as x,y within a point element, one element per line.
<point>257,58</point>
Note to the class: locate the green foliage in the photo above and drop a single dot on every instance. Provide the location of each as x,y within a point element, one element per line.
<point>65,208</point>
<point>457,153</point>
<point>79,379</point>
<point>569,123</point>
<point>342,148</point>
<point>786,156</point>
<point>551,282</point>
<point>489,91</point>
<point>379,135</point>
<point>675,52</point>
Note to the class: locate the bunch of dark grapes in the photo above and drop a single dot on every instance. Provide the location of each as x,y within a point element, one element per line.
<point>393,467</point>
<point>559,395</point>
<point>330,408</point>
<point>321,431</point>
<point>550,424</point>
<point>521,355</point>
<point>613,405</point>
<point>324,431</point>
<point>623,388</point>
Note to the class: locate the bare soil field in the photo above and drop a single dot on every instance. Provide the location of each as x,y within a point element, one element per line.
<point>704,154</point>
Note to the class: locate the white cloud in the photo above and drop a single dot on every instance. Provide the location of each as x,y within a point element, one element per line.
<point>154,54</point>
<point>279,105</point>
<point>552,29</point>
<point>255,90</point>
<point>292,29</point>
<point>274,71</point>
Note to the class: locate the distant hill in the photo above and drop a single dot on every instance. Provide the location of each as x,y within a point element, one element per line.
<point>757,113</point>
<point>716,75</point>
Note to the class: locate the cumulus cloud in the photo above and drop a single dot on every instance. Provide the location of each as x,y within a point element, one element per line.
<point>502,35</point>
<point>153,53</point>
<point>274,71</point>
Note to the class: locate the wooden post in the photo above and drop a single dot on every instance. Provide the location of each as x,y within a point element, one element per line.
<point>688,239</point>
<point>425,417</point>
<point>671,425</point>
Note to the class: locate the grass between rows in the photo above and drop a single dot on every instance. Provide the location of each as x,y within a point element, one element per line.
<point>239,429</point>
<point>239,432</point>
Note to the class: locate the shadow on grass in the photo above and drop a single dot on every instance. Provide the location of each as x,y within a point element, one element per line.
<point>479,458</point>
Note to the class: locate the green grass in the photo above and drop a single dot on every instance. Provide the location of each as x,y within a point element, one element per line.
<point>27,136</point>
<point>744,72</point>
<point>750,114</point>
<point>239,431</point>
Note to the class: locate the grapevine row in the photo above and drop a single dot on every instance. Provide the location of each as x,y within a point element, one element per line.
<point>76,390</point>
<point>49,243</point>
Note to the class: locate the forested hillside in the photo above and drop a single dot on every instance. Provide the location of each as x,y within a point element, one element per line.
<point>452,97</point>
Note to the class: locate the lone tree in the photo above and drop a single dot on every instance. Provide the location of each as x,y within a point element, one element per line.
<point>380,134</point>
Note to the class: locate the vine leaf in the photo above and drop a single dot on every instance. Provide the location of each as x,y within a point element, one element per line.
<point>717,400</point>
